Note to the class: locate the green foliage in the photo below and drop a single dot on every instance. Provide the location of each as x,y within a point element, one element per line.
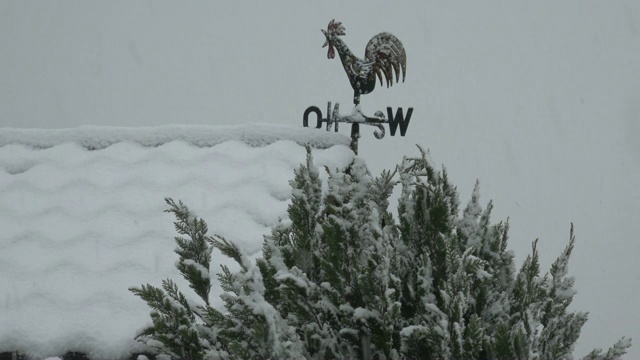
<point>181,328</point>
<point>173,321</point>
<point>615,352</point>
<point>194,252</point>
<point>342,279</point>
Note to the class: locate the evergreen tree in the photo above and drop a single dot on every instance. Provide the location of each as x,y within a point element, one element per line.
<point>181,328</point>
<point>342,279</point>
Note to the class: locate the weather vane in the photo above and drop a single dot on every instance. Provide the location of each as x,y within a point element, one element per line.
<point>384,56</point>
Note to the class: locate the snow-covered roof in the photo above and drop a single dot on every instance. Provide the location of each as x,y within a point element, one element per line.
<point>79,226</point>
<point>100,137</point>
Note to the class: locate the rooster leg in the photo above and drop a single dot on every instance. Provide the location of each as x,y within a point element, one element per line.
<point>356,98</point>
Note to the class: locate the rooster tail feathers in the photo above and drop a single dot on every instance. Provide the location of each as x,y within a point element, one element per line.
<point>379,73</point>
<point>398,49</point>
<point>386,53</point>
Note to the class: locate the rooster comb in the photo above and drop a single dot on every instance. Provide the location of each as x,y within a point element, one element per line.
<point>335,28</point>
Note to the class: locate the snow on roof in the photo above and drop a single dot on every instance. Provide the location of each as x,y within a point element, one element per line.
<point>100,137</point>
<point>79,227</point>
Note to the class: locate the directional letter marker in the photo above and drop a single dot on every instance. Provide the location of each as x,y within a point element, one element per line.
<point>356,118</point>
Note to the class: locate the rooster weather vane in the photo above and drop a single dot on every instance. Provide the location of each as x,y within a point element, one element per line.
<point>384,57</point>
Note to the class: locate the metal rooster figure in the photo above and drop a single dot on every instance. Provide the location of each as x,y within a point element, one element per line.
<point>384,57</point>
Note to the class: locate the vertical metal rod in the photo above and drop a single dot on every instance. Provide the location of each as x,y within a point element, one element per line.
<point>355,134</point>
<point>329,115</point>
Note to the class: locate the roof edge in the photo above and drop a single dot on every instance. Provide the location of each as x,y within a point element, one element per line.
<point>100,137</point>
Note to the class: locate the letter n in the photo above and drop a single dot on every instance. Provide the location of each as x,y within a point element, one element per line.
<point>398,119</point>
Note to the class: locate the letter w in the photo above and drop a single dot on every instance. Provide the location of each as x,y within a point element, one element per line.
<point>398,119</point>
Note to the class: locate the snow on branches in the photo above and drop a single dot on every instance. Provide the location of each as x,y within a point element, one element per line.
<point>341,278</point>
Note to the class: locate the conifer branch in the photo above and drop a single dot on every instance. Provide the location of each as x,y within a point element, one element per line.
<point>341,278</point>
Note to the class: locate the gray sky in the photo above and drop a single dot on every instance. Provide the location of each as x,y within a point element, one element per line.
<point>539,100</point>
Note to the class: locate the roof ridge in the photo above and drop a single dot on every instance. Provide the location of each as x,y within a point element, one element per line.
<point>100,137</point>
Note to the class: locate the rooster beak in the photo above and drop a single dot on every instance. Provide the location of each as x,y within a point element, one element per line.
<point>326,41</point>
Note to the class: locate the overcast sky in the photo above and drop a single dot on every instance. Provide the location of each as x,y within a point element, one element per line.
<point>540,100</point>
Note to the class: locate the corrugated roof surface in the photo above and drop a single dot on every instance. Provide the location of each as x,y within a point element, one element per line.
<point>79,227</point>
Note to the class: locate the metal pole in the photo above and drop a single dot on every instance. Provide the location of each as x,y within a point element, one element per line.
<point>355,134</point>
